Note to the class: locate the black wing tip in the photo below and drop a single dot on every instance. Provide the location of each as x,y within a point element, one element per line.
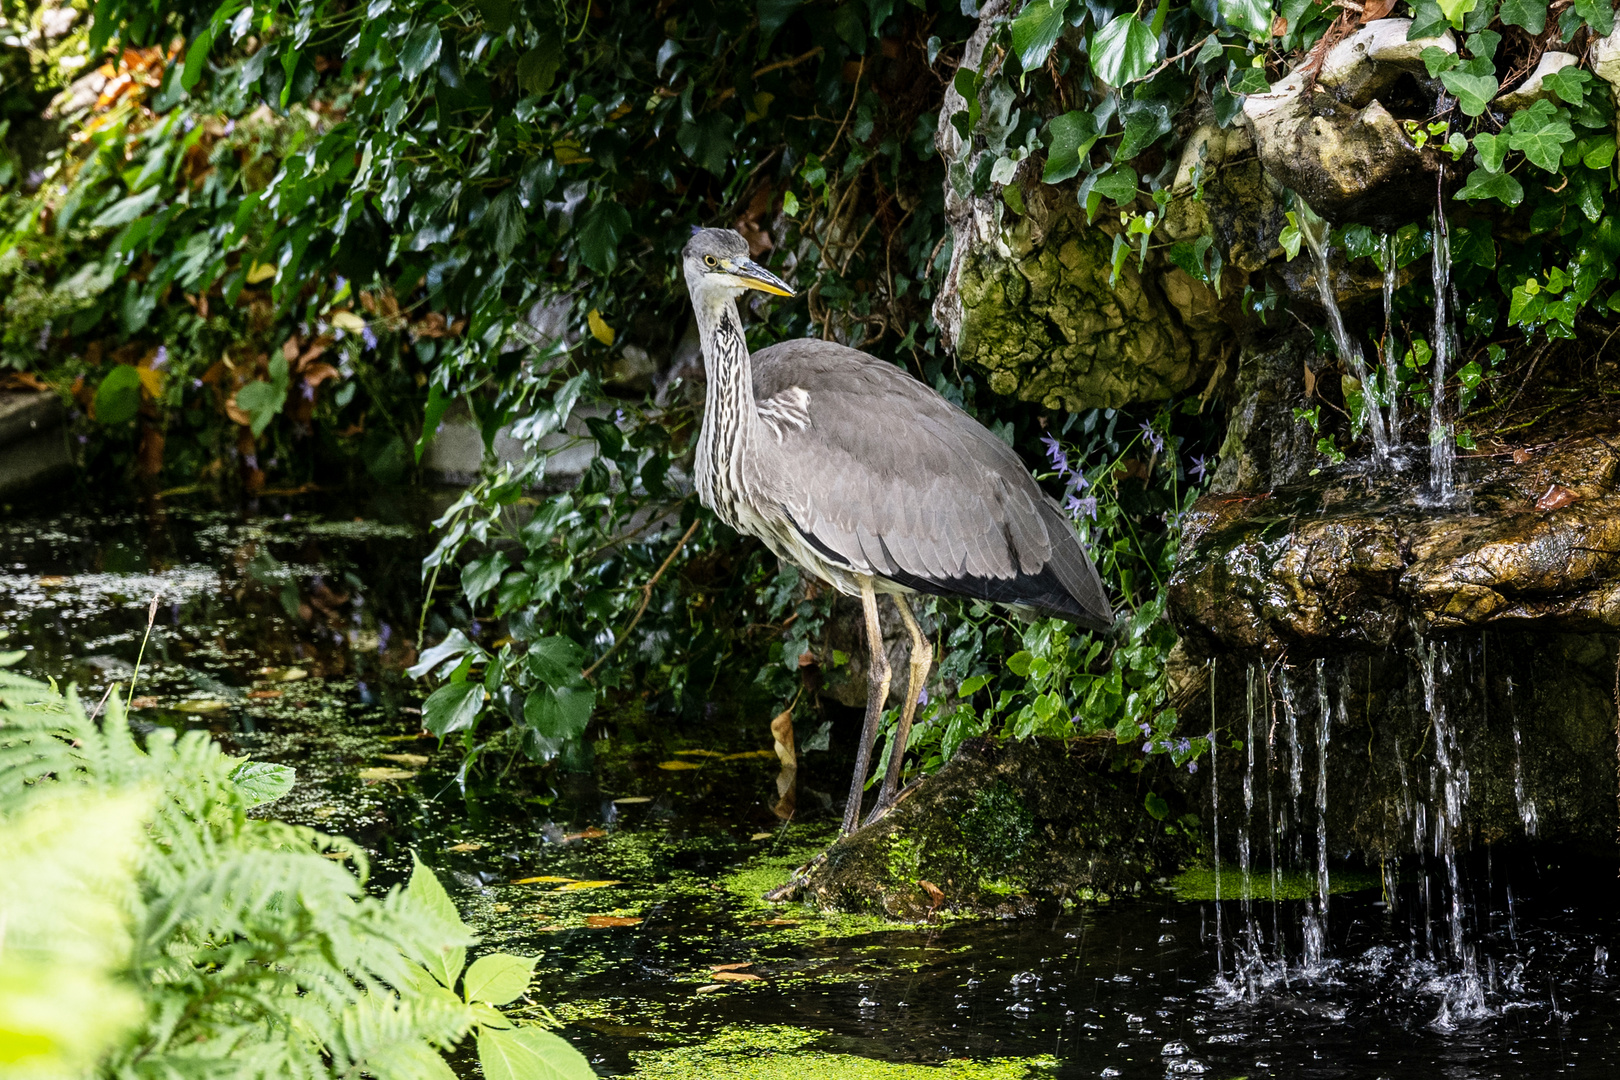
<point>1041,592</point>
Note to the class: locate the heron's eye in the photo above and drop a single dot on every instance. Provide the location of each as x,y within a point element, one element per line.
<point>708,260</point>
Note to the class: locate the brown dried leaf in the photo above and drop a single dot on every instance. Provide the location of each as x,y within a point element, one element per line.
<point>1521,456</point>
<point>576,886</point>
<point>611,920</point>
<point>415,761</point>
<point>384,772</point>
<point>735,976</point>
<point>676,766</point>
<point>1556,497</point>
<point>731,967</point>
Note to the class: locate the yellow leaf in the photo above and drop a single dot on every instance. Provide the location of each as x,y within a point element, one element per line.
<point>750,754</point>
<point>346,320</point>
<point>413,760</point>
<point>151,382</point>
<point>385,772</point>
<point>203,705</point>
<point>465,846</point>
<point>674,766</point>
<point>260,272</point>
<point>568,152</point>
<point>734,976</point>
<point>610,920</point>
<point>701,753</point>
<point>631,800</point>
<point>286,674</point>
<point>575,886</point>
<point>549,879</point>
<point>600,330</point>
<point>762,836</point>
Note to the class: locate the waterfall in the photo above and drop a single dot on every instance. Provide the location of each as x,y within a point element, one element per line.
<point>1314,231</point>
<point>1244,858</point>
<point>1527,806</point>
<point>1392,380</point>
<point>1215,816</point>
<point>1316,940</point>
<point>1441,450</point>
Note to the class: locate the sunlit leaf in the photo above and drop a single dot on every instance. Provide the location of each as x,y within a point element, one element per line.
<point>1124,50</point>
<point>379,773</point>
<point>261,782</point>
<point>498,978</point>
<point>578,886</point>
<point>452,707</point>
<point>530,1053</point>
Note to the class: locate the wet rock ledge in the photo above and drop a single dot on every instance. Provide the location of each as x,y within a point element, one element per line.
<point>1005,830</point>
<point>1357,560</point>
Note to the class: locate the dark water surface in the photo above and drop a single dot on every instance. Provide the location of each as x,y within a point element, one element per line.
<point>285,631</point>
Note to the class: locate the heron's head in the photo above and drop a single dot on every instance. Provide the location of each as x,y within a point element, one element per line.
<point>717,265</point>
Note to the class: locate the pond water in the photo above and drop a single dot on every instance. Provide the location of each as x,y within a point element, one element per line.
<point>635,870</point>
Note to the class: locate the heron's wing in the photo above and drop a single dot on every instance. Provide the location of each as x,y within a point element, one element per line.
<point>882,474</point>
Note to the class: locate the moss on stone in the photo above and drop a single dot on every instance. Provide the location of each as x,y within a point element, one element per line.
<point>1198,883</point>
<point>767,1052</point>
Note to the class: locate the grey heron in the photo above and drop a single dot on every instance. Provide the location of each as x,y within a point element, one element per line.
<point>855,472</point>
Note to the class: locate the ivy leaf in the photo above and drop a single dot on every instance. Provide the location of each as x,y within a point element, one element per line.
<point>1123,50</point>
<point>1250,80</point>
<point>1253,17</point>
<point>1484,184</point>
<point>1070,138</point>
<point>1492,149</point>
<point>506,222</point>
<point>707,141</point>
<point>1427,20</point>
<point>1568,84</point>
<point>530,1053</point>
<point>453,707</point>
<point>603,226</point>
<point>1036,30</point>
<point>498,978</point>
<point>1144,124</point>
<point>1119,185</point>
<point>1438,60</point>
<point>555,660</point>
<point>1530,14</point>
<point>1598,14</point>
<point>537,68</point>
<point>1454,10</point>
<point>420,50</point>
<point>559,712</point>
<point>1474,92</point>
<point>1540,134</point>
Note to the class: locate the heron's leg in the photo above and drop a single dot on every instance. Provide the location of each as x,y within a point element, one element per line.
<point>877,692</point>
<point>922,659</point>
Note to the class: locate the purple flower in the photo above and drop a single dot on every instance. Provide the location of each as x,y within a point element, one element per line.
<point>251,461</point>
<point>922,696</point>
<point>1146,730</point>
<point>1147,747</point>
<point>1076,506</point>
<point>1154,439</point>
<point>1055,454</point>
<point>369,336</point>
<point>1192,766</point>
<point>342,283</point>
<point>308,391</point>
<point>230,126</point>
<point>1200,465</point>
<point>161,358</point>
<point>383,634</point>
<point>1183,745</point>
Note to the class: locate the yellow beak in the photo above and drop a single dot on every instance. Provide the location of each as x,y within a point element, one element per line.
<point>755,276</point>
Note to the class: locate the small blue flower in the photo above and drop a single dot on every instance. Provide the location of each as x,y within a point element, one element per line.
<point>1200,465</point>
<point>922,696</point>
<point>1192,766</point>
<point>1154,439</point>
<point>1147,747</point>
<point>369,336</point>
<point>1055,454</point>
<point>161,358</point>
<point>1076,506</point>
<point>1147,730</point>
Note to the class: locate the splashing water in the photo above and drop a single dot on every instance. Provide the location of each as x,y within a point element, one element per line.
<point>1315,233</point>
<point>1441,450</point>
<point>1392,382</point>
<point>1526,805</point>
<point>1316,935</point>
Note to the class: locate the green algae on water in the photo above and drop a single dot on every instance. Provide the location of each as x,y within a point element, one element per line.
<point>769,1052</point>
<point>1198,883</point>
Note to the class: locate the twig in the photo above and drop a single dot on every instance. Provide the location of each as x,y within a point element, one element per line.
<point>1199,44</point>
<point>646,598</point>
<point>151,617</point>
<point>854,97</point>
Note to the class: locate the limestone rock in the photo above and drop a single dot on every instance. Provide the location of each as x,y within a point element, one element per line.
<point>1371,60</point>
<point>1605,57</point>
<point>33,443</point>
<point>1532,89</point>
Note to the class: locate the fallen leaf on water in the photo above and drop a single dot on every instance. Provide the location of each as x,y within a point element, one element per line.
<point>674,766</point>
<point>701,753</point>
<point>735,976</point>
<point>502,908</point>
<point>546,929</point>
<point>260,695</point>
<point>711,988</point>
<point>548,879</point>
<point>762,836</point>
<point>775,922</point>
<point>592,833</point>
<point>1520,456</point>
<point>631,800</point>
<point>385,772</point>
<point>286,674</point>
<point>610,920</point>
<point>144,703</point>
<point>203,705</point>
<point>731,967</point>
<point>413,760</point>
<point>750,754</point>
<point>407,738</point>
<point>1556,497</point>
<point>575,886</point>
<point>52,581</point>
<point>467,846</point>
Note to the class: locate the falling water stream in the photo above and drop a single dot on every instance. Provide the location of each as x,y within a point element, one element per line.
<point>1392,381</point>
<point>1441,445</point>
<point>1314,231</point>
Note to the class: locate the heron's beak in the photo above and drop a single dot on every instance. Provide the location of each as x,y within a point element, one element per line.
<point>755,276</point>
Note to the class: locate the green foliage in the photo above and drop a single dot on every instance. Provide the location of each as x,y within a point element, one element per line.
<point>156,927</point>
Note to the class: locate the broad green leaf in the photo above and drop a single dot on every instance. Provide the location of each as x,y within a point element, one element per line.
<point>1540,134</point>
<point>537,68</point>
<point>555,661</point>
<point>261,781</point>
<point>1484,184</point>
<point>1020,662</point>
<point>454,646</point>
<point>1530,14</point>
<point>481,575</point>
<point>1492,149</point>
<point>600,231</point>
<point>505,222</point>
<point>1253,17</point>
<point>498,978</point>
<point>1454,10</point>
<point>1124,50</point>
<point>1438,60</point>
<point>559,712</point>
<point>127,209</point>
<point>1118,185</point>
<point>1568,84</point>
<point>1143,127</point>
<point>1156,807</point>
<point>118,398</point>
<point>1070,138</point>
<point>1598,14</point>
<point>530,1053</point>
<point>452,707</point>
<point>708,141</point>
<point>1474,92</point>
<point>261,402</point>
<point>1249,80</point>
<point>1036,29</point>
<point>420,50</point>
<point>424,894</point>
<point>197,57</point>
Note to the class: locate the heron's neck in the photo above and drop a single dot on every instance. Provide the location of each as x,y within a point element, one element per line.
<point>729,416</point>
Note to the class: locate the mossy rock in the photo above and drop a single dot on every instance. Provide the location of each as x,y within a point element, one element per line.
<point>1005,829</point>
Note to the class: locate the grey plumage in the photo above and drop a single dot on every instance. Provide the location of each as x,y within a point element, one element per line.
<point>848,467</point>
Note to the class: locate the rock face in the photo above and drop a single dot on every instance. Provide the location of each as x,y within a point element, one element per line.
<point>1004,830</point>
<point>33,443</point>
